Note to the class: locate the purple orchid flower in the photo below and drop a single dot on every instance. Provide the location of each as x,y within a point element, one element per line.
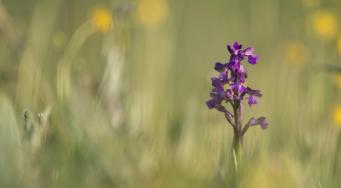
<point>229,88</point>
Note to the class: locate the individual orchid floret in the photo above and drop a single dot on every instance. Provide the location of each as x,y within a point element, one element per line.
<point>252,58</point>
<point>261,121</point>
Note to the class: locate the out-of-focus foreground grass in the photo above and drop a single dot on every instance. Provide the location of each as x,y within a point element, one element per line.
<point>112,93</point>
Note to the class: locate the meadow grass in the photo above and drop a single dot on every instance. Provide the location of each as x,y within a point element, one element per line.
<point>112,93</point>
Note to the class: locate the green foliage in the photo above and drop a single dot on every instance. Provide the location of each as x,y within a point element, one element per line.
<point>121,102</point>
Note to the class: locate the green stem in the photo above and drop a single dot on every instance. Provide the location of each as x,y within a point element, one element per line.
<point>237,148</point>
<point>238,137</point>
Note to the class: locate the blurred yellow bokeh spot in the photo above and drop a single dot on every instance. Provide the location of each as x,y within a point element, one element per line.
<point>337,116</point>
<point>296,53</point>
<point>151,12</point>
<point>101,19</point>
<point>324,24</point>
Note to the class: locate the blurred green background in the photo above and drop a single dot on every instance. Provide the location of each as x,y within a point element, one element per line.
<point>111,93</point>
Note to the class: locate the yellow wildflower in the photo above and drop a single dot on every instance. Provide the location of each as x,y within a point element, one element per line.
<point>151,12</point>
<point>296,53</point>
<point>324,24</point>
<point>101,19</point>
<point>337,116</point>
